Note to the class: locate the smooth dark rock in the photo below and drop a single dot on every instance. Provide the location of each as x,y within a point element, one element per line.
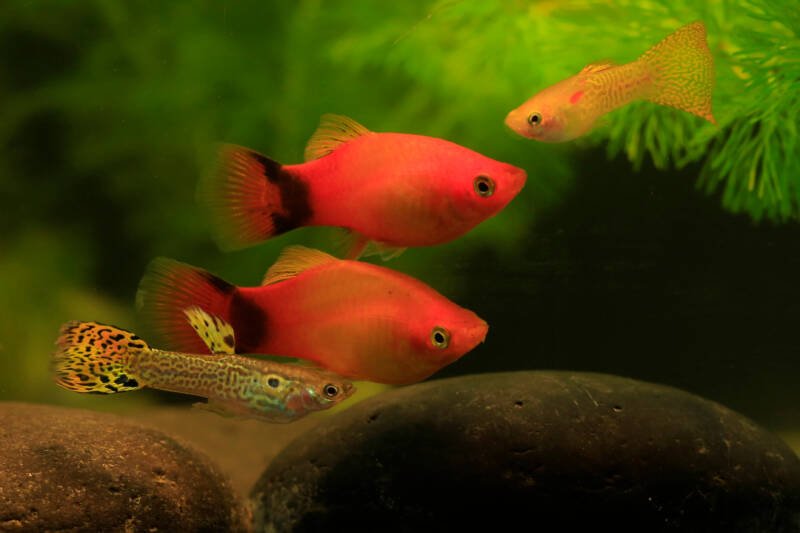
<point>74,470</point>
<point>547,451</point>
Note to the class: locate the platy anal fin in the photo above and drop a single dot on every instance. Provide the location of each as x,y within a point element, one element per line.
<point>215,332</point>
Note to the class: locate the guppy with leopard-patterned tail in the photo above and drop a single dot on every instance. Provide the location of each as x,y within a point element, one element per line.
<point>96,358</point>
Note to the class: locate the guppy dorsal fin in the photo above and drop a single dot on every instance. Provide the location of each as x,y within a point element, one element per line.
<point>597,66</point>
<point>215,332</point>
<point>294,260</point>
<point>332,132</point>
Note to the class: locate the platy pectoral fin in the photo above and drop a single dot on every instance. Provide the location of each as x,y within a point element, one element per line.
<point>384,251</point>
<point>353,244</point>
<point>333,131</point>
<point>215,332</point>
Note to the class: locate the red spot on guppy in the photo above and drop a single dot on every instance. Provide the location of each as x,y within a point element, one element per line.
<point>576,96</point>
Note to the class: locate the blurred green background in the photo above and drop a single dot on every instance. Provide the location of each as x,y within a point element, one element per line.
<point>660,247</point>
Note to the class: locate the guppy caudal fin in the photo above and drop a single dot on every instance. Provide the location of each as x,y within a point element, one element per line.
<point>252,198</point>
<point>167,289</point>
<point>92,357</point>
<point>683,71</point>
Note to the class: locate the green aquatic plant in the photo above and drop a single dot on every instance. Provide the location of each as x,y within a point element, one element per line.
<point>484,57</point>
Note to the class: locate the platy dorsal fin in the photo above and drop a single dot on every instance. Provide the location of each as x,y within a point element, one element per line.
<point>215,332</point>
<point>597,66</point>
<point>333,131</point>
<point>294,260</point>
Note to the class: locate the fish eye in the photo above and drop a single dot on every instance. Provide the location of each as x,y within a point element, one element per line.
<point>440,337</point>
<point>273,382</point>
<point>535,119</point>
<point>330,390</point>
<point>484,186</point>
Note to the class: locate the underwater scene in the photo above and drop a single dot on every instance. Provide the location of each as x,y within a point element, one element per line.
<point>400,266</point>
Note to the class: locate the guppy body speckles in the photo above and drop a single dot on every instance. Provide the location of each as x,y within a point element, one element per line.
<point>237,385</point>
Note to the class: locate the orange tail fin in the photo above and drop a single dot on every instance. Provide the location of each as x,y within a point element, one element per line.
<point>93,357</point>
<point>683,71</point>
<point>167,289</point>
<point>252,198</point>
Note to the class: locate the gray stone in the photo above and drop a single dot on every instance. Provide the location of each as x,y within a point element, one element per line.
<point>544,451</point>
<point>74,470</point>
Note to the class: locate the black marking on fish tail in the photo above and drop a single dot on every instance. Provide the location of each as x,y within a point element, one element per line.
<point>296,208</point>
<point>250,323</point>
<point>218,283</point>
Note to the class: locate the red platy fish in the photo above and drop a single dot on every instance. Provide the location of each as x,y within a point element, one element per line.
<point>677,72</point>
<point>392,189</point>
<point>359,320</point>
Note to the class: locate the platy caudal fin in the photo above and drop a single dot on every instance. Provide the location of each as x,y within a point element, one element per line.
<point>683,71</point>
<point>167,289</point>
<point>252,198</point>
<point>93,357</point>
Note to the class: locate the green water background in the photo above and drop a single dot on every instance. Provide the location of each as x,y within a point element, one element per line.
<point>109,114</point>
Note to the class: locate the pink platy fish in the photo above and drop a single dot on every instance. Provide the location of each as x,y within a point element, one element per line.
<point>357,319</point>
<point>392,190</point>
<point>677,72</point>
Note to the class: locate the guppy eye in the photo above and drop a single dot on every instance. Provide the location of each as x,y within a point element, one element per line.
<point>535,119</point>
<point>273,382</point>
<point>440,338</point>
<point>484,186</point>
<point>331,390</point>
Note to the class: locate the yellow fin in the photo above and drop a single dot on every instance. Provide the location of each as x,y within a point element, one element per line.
<point>682,67</point>
<point>215,332</point>
<point>385,251</point>
<point>597,66</point>
<point>294,260</point>
<point>333,131</point>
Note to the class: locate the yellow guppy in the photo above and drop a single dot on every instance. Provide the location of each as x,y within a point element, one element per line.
<point>677,72</point>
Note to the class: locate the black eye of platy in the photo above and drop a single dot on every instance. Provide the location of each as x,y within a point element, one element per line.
<point>273,382</point>
<point>440,338</point>
<point>331,390</point>
<point>484,186</point>
<point>535,119</point>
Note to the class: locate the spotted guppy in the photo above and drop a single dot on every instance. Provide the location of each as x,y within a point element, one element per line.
<point>97,358</point>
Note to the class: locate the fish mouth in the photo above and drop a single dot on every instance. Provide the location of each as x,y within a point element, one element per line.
<point>518,179</point>
<point>476,334</point>
<point>517,122</point>
<point>480,331</point>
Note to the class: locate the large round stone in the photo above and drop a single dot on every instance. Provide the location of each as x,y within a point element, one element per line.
<point>545,451</point>
<point>74,470</point>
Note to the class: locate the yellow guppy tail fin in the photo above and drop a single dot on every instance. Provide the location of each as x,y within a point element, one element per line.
<point>92,357</point>
<point>683,71</point>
